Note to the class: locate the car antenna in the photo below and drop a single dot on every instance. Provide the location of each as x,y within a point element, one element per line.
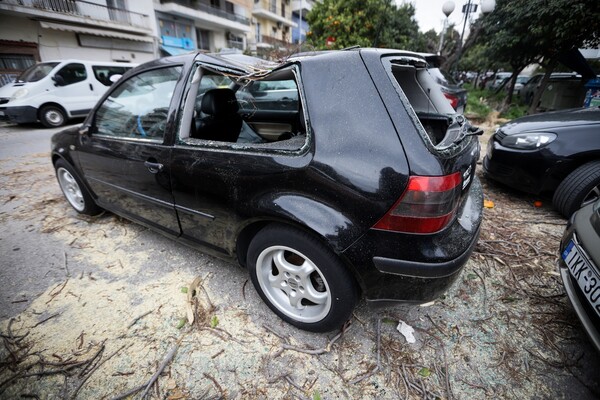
<point>356,46</point>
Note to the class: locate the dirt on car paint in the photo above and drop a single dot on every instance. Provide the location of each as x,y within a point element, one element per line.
<point>110,313</point>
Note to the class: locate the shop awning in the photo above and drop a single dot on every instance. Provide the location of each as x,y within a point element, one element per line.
<point>95,32</point>
<point>174,51</point>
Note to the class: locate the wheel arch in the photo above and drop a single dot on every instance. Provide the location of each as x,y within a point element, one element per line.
<point>253,227</point>
<point>67,158</point>
<point>55,104</point>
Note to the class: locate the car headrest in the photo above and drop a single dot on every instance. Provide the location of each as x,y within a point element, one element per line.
<point>219,101</point>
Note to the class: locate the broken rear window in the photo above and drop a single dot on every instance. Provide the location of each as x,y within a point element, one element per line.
<point>432,111</point>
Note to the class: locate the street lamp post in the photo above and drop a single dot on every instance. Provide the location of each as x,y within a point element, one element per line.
<point>487,6</point>
<point>447,9</point>
<point>300,28</point>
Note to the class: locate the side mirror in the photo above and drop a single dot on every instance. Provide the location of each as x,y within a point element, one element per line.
<point>59,80</point>
<point>114,78</point>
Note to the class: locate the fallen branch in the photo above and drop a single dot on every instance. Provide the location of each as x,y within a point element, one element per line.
<point>53,294</point>
<point>168,358</point>
<point>378,365</point>
<point>66,266</point>
<point>46,319</point>
<point>314,352</point>
<point>138,318</point>
<point>214,381</point>
<point>78,388</point>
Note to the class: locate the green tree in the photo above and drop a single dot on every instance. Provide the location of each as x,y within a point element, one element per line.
<point>336,24</point>
<point>521,32</point>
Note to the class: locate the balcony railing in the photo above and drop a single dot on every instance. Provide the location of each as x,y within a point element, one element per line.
<point>197,5</point>
<point>85,9</point>
<point>273,41</point>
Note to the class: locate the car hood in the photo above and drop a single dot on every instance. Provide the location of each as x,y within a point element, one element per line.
<point>9,89</point>
<point>550,120</point>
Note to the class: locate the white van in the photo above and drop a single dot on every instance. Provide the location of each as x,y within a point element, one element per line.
<point>54,91</point>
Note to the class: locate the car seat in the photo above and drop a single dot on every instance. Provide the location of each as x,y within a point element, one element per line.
<point>221,121</point>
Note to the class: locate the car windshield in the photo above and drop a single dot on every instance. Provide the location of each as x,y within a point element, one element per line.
<point>37,72</point>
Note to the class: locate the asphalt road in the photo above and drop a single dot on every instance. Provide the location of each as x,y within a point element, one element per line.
<point>25,267</point>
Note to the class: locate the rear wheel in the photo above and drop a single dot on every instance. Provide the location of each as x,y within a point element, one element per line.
<point>74,190</point>
<point>52,116</point>
<point>300,279</point>
<point>580,188</point>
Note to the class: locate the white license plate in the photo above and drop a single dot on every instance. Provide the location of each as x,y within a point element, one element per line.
<point>1,113</point>
<point>586,276</point>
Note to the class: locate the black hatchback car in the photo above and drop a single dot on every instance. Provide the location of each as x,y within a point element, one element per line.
<point>550,152</point>
<point>366,186</point>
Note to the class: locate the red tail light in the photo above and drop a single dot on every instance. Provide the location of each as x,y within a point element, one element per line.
<point>427,205</point>
<point>453,99</point>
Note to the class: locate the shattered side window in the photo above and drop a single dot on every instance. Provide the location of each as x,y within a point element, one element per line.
<point>243,113</point>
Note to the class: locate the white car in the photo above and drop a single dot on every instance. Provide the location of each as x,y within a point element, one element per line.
<point>54,91</point>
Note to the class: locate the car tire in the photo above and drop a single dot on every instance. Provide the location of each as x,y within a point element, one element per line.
<point>74,190</point>
<point>301,279</point>
<point>581,187</point>
<point>52,116</point>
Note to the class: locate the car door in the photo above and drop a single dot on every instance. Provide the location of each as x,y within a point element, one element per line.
<point>215,183</point>
<point>123,154</point>
<point>74,89</point>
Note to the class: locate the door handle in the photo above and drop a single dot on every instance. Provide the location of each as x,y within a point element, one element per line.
<point>91,87</point>
<point>154,167</point>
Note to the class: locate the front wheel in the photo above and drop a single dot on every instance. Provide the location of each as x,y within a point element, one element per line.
<point>52,116</point>
<point>301,279</point>
<point>75,192</point>
<point>580,188</point>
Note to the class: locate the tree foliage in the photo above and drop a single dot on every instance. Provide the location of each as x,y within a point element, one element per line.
<point>336,24</point>
<point>522,32</point>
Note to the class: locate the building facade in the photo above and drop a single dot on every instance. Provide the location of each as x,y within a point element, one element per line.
<point>209,25</point>
<point>300,9</point>
<point>41,30</point>
<point>138,30</point>
<point>272,24</point>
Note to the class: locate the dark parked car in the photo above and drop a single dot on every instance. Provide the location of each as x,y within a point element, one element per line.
<point>580,267</point>
<point>551,152</point>
<point>456,95</point>
<point>564,90</point>
<point>367,187</point>
<point>265,95</point>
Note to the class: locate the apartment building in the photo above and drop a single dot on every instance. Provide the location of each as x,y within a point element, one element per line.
<point>209,25</point>
<point>138,30</point>
<point>40,30</point>
<point>300,9</point>
<point>272,24</point>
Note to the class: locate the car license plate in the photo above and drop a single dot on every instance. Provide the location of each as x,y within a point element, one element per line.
<point>1,113</point>
<point>586,276</point>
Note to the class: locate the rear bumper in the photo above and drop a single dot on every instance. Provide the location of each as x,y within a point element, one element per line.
<point>20,115</point>
<point>424,269</point>
<point>417,268</point>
